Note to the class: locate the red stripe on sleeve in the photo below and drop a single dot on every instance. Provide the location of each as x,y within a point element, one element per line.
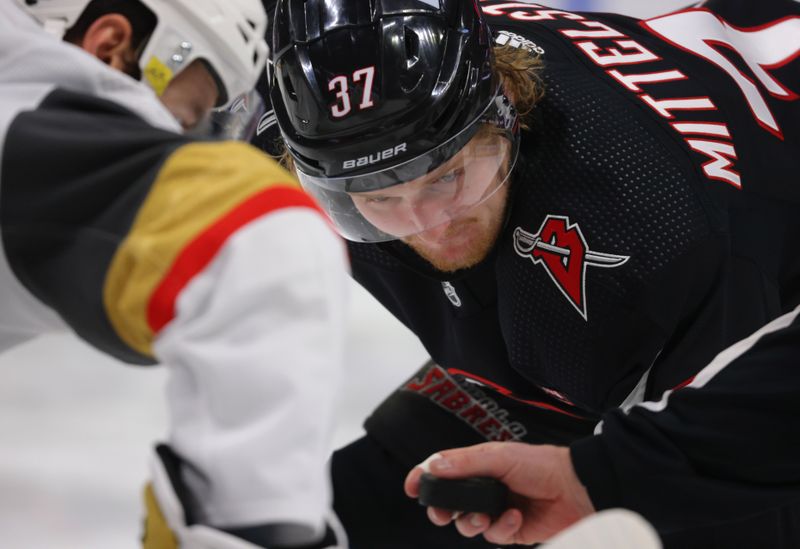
<point>201,251</point>
<point>684,384</point>
<point>507,392</point>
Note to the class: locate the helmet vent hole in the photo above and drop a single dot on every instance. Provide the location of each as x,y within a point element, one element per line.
<point>287,85</point>
<point>412,47</point>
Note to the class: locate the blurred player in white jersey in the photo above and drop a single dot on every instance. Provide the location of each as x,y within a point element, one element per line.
<point>156,245</point>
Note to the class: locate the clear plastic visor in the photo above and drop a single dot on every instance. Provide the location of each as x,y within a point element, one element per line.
<point>236,122</point>
<point>433,189</point>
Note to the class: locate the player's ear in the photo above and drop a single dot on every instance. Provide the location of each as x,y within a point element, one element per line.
<point>109,38</point>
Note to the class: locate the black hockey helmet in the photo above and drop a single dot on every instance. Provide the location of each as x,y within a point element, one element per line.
<point>371,94</point>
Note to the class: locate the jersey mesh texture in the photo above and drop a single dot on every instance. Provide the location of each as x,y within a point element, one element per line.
<point>592,159</point>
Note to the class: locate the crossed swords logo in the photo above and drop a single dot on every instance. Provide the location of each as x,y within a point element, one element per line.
<point>561,249</point>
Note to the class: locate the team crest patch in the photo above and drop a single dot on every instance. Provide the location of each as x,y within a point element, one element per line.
<point>561,249</point>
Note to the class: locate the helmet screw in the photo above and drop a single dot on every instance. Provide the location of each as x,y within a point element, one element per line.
<point>180,55</point>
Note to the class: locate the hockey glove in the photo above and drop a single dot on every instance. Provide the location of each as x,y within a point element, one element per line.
<point>168,523</point>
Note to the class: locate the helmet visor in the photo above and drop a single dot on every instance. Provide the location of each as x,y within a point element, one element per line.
<point>430,190</point>
<point>236,122</point>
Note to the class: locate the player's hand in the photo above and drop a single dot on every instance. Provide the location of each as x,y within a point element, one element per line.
<point>547,495</point>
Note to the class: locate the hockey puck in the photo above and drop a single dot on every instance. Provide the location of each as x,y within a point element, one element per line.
<point>468,495</point>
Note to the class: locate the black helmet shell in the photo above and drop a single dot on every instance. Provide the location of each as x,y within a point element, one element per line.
<point>415,73</point>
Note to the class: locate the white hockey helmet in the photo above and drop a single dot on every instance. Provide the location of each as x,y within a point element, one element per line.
<point>227,34</point>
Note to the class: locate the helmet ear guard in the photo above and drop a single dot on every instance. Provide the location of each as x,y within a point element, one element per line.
<point>228,35</point>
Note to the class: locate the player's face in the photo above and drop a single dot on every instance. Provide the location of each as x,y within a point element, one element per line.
<point>453,215</point>
<point>191,94</point>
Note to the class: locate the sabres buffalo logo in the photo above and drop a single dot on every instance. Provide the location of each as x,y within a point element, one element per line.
<point>561,249</point>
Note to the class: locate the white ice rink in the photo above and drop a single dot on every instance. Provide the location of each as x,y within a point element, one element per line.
<point>76,427</point>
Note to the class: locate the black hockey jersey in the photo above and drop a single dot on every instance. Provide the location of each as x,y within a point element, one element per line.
<point>661,177</point>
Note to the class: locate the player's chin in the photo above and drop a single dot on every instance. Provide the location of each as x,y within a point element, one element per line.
<point>451,257</point>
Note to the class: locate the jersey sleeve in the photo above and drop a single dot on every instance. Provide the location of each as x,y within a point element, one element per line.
<point>255,355</point>
<point>722,449</point>
<point>75,172</point>
<point>106,219</point>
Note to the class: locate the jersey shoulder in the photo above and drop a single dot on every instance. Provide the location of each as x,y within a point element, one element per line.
<point>724,94</point>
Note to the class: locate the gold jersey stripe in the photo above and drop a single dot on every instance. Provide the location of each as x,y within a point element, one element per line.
<point>196,256</point>
<point>198,185</point>
<point>157,533</point>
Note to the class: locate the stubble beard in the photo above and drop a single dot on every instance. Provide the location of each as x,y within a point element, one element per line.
<point>479,245</point>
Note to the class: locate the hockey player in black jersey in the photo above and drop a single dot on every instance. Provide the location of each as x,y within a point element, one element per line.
<point>574,212</point>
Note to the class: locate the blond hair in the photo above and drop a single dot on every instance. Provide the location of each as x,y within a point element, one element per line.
<point>517,68</point>
<point>519,71</point>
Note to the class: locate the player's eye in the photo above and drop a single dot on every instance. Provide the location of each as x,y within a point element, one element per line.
<point>449,177</point>
<point>376,200</point>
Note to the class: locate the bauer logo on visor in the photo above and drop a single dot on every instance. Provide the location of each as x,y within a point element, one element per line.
<point>374,158</point>
<point>437,187</point>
